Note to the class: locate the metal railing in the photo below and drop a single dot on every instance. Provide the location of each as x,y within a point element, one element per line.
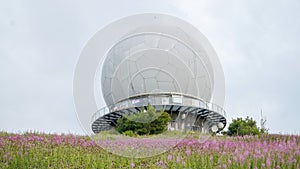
<point>162,98</point>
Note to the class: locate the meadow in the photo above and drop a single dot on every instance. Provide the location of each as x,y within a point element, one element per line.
<point>38,150</point>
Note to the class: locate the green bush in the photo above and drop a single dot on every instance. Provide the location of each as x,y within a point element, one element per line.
<point>145,122</point>
<point>129,133</point>
<point>243,127</point>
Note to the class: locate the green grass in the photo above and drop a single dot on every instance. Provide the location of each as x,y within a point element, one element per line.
<point>37,150</point>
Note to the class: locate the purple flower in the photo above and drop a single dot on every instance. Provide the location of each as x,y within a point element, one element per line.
<point>132,165</point>
<point>170,157</point>
<point>160,163</point>
<point>268,162</point>
<point>5,155</point>
<point>188,152</point>
<point>178,159</point>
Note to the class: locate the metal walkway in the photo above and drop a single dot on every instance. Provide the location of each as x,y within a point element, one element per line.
<point>106,118</point>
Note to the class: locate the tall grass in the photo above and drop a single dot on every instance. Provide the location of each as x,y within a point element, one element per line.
<point>38,150</point>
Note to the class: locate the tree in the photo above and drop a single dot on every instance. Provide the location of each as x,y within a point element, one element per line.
<point>145,122</point>
<point>243,127</point>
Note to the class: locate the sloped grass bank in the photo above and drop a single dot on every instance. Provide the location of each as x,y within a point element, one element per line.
<point>36,150</point>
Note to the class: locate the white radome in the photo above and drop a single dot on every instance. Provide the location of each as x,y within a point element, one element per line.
<point>147,56</point>
<point>160,55</point>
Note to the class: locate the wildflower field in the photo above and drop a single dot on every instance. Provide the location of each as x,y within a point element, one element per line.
<point>35,150</point>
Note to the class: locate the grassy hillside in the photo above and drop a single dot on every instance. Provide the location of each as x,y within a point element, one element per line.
<point>33,150</point>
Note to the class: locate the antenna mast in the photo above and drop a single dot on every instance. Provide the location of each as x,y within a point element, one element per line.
<point>263,121</point>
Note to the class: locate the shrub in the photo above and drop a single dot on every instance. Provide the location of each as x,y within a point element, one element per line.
<point>243,127</point>
<point>145,122</point>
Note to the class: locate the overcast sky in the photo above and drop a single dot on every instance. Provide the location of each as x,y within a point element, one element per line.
<point>257,43</point>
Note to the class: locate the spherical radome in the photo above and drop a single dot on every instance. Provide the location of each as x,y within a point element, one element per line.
<point>156,58</point>
<point>144,59</point>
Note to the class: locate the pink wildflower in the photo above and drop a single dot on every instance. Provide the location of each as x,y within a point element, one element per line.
<point>178,159</point>
<point>268,162</point>
<point>188,152</point>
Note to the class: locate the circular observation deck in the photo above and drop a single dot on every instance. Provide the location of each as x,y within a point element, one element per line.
<point>204,115</point>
